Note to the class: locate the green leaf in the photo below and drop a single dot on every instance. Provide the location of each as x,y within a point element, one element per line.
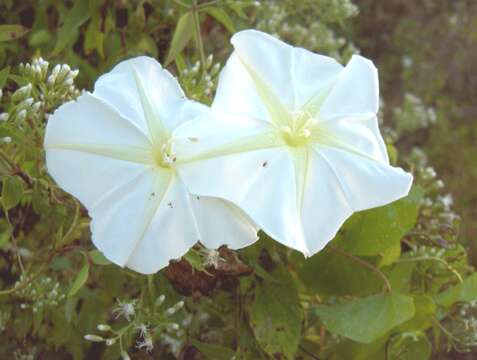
<point>76,17</point>
<point>348,349</point>
<point>221,16</point>
<point>98,258</point>
<point>425,308</point>
<point>338,276</point>
<point>237,7</point>
<point>39,37</point>
<point>12,32</point>
<point>212,351</point>
<point>93,39</point>
<point>374,231</point>
<point>465,292</point>
<point>4,76</point>
<point>275,315</point>
<point>12,192</point>
<point>367,319</point>
<point>79,281</point>
<point>409,348</point>
<point>182,34</point>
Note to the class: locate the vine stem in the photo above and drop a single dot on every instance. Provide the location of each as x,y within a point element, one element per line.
<point>14,241</point>
<point>200,44</point>
<point>364,264</point>
<point>433,258</point>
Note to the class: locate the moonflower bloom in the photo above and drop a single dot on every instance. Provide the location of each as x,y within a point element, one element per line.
<point>112,150</point>
<point>294,141</point>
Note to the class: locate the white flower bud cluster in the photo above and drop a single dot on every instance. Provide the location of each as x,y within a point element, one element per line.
<point>427,252</point>
<point>37,70</point>
<point>201,80</point>
<point>44,292</point>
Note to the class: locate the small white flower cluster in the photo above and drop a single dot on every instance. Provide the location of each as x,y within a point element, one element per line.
<point>312,33</point>
<point>25,354</point>
<point>44,292</point>
<point>463,326</point>
<point>134,316</point>
<point>413,115</point>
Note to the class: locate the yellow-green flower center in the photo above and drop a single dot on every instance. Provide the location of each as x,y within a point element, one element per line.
<point>298,132</point>
<point>164,156</point>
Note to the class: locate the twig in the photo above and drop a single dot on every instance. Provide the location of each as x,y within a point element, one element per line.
<point>310,354</point>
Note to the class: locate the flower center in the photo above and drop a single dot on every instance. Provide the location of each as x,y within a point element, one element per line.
<point>298,131</point>
<point>165,157</point>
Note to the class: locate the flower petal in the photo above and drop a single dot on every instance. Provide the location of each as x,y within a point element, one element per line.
<point>221,222</point>
<point>125,222</point>
<point>217,135</point>
<point>89,146</point>
<point>260,182</point>
<point>356,91</point>
<point>359,134</point>
<point>294,75</point>
<point>143,92</point>
<point>365,182</point>
<point>324,207</point>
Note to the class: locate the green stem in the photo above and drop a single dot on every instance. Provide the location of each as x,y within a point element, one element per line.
<point>14,241</point>
<point>200,43</point>
<point>206,4</point>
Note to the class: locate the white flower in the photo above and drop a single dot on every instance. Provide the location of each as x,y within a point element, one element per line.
<point>112,149</point>
<point>143,330</point>
<point>125,309</point>
<point>213,258</point>
<point>294,142</point>
<point>145,344</point>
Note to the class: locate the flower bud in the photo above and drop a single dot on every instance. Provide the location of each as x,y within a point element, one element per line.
<point>22,92</point>
<point>103,327</point>
<point>36,106</point>
<point>160,300</point>
<point>26,103</point>
<point>110,342</point>
<point>94,338</point>
<point>74,73</point>
<point>22,114</point>
<point>208,61</point>
<point>56,70</point>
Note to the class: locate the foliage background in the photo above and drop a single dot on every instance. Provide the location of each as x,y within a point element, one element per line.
<point>264,301</point>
